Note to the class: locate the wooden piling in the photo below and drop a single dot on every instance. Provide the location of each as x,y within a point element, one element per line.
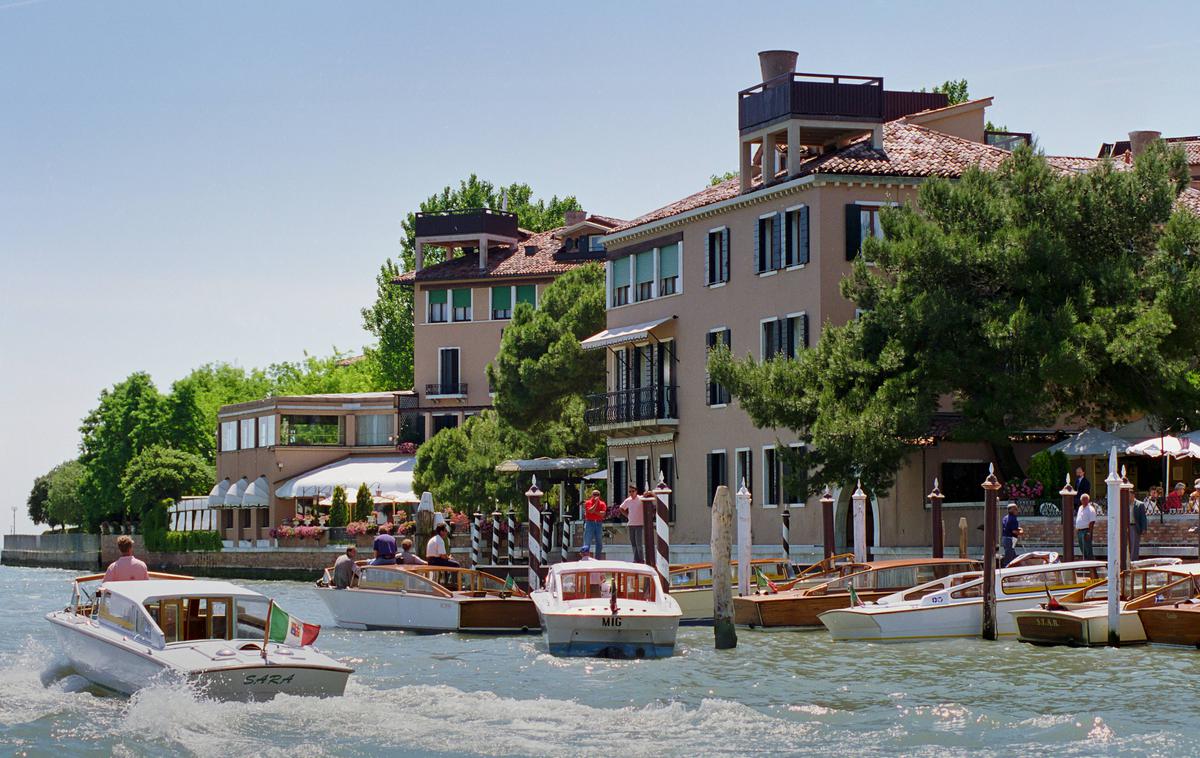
<point>721,546</point>
<point>476,539</point>
<point>991,488</point>
<point>1068,520</point>
<point>935,514</point>
<point>496,538</point>
<point>962,536</point>
<point>827,521</point>
<point>424,525</point>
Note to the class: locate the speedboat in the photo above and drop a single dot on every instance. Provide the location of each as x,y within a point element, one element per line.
<point>608,609</point>
<point>1080,618</point>
<point>429,599</point>
<point>801,606</point>
<point>953,606</point>
<point>126,635</point>
<point>691,583</point>
<point>1171,616</point>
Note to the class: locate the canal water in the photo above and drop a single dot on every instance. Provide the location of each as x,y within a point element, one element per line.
<point>778,693</point>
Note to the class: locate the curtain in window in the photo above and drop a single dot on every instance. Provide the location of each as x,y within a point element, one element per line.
<point>437,297</point>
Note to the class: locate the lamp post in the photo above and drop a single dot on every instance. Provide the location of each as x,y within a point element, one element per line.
<point>1068,520</point>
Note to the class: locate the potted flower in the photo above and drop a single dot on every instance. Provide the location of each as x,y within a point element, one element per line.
<point>363,532</point>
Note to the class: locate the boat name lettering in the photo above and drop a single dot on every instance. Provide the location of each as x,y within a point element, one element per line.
<point>1039,621</point>
<point>610,621</point>
<point>267,679</point>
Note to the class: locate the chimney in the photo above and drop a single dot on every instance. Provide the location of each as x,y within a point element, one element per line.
<point>1139,141</point>
<point>574,217</point>
<point>777,63</point>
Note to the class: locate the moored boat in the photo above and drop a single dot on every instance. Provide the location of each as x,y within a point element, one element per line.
<point>691,584</point>
<point>126,635</point>
<point>608,609</point>
<point>1172,615</point>
<point>802,606</point>
<point>429,599</point>
<point>953,606</point>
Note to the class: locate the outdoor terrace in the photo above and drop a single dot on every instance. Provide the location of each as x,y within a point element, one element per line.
<point>632,407</point>
<point>467,223</point>
<point>828,97</point>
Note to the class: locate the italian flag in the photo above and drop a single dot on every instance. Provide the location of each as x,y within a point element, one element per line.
<point>288,630</point>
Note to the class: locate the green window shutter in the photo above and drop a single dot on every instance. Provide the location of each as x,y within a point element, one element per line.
<point>620,272</point>
<point>437,297</point>
<point>758,256</point>
<point>645,267</point>
<point>501,298</point>
<point>668,261</point>
<point>527,293</point>
<point>724,255</point>
<point>777,241</point>
<point>462,298</point>
<point>802,245</point>
<point>853,231</point>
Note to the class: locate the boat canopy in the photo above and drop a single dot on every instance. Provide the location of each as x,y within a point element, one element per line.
<point>381,473</point>
<point>141,592</point>
<point>603,566</point>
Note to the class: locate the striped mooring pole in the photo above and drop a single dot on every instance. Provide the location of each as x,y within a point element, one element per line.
<point>511,538</point>
<point>662,532</point>
<point>495,538</point>
<point>547,539</point>
<point>476,529</point>
<point>785,534</point>
<point>566,538</point>
<point>534,535</point>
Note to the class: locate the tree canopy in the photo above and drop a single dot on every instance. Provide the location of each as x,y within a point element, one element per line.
<point>1019,296</point>
<point>36,502</point>
<point>459,465</point>
<point>158,473</point>
<point>958,91</point>
<point>65,503</point>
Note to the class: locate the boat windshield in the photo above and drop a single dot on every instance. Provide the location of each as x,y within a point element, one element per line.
<point>1040,581</point>
<point>581,585</point>
<point>250,618</point>
<point>184,619</point>
<point>396,580</point>
<point>895,578</point>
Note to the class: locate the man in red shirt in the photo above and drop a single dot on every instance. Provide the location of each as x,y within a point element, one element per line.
<point>594,511</point>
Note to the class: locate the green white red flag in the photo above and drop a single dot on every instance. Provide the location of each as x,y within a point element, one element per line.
<point>289,630</point>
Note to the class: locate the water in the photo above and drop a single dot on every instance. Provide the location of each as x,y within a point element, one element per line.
<point>779,693</point>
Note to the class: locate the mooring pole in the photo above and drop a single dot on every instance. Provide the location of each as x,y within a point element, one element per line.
<point>566,537</point>
<point>991,486</point>
<point>547,542</point>
<point>859,498</point>
<point>745,541</point>
<point>827,521</point>
<point>495,538</point>
<point>649,505</point>
<point>1126,502</point>
<point>476,542</point>
<point>534,535</point>
<point>721,547</point>
<point>662,531</point>
<point>1114,547</point>
<point>424,525</point>
<point>962,536</point>
<point>785,535</point>
<point>1068,520</point>
<point>511,538</point>
<point>935,513</point>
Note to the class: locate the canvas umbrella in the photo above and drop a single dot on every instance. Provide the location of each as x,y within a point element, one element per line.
<point>1089,443</point>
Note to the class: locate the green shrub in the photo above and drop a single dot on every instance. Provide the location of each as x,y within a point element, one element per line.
<point>1050,469</point>
<point>183,542</point>
<point>364,504</point>
<point>339,514</point>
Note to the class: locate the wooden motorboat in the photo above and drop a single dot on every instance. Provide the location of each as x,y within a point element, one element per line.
<point>802,606</point>
<point>429,599</point>
<point>126,635</point>
<point>1172,615</point>
<point>1080,618</point>
<point>691,584</point>
<point>608,609</point>
<point>953,606</point>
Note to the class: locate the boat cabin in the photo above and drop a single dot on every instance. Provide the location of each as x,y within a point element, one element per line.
<point>440,581</point>
<point>1136,582</point>
<point>891,576</point>
<point>694,576</point>
<point>1018,582</point>
<point>586,580</point>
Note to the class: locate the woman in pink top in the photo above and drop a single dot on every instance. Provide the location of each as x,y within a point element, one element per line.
<point>126,568</point>
<point>632,508</point>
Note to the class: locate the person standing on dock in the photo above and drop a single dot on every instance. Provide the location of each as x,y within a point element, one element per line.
<point>436,552</point>
<point>1140,524</point>
<point>594,511</point>
<point>631,506</point>
<point>1010,530</point>
<point>126,568</point>
<point>385,548</point>
<point>1082,487</point>
<point>1085,520</point>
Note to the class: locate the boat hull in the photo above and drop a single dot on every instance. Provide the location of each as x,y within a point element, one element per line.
<point>696,605</point>
<point>380,609</point>
<point>791,608</point>
<point>1172,624</point>
<point>1076,627</point>
<point>101,662</point>
<point>605,635</point>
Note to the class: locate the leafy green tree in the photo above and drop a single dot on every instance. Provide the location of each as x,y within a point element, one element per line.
<point>339,512</point>
<point>716,179</point>
<point>364,503</point>
<point>459,465</point>
<point>541,374</point>
<point>390,317</point>
<point>37,501</point>
<point>65,498</point>
<point>1020,295</point>
<point>157,473</point>
<point>329,374</point>
<point>184,426</point>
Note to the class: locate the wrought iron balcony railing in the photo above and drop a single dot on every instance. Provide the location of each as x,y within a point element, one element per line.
<point>445,388</point>
<point>639,404</point>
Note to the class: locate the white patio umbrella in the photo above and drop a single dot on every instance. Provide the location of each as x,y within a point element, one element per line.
<point>1168,445</point>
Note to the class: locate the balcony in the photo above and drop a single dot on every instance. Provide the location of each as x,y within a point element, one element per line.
<point>828,97</point>
<point>469,224</point>
<point>634,408</point>
<point>445,390</point>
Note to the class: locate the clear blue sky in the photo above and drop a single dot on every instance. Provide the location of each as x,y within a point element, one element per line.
<point>192,182</point>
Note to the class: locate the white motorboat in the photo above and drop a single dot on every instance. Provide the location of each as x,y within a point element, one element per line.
<point>608,609</point>
<point>429,599</point>
<point>127,635</point>
<point>953,606</point>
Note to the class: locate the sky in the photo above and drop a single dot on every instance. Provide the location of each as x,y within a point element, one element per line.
<point>182,183</point>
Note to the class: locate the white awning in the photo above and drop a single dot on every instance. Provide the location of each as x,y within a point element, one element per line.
<point>216,497</point>
<point>381,473</point>
<point>258,494</point>
<point>234,495</point>
<point>619,335</point>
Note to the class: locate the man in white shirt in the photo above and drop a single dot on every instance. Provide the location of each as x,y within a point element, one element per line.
<point>1085,520</point>
<point>436,553</point>
<point>632,508</point>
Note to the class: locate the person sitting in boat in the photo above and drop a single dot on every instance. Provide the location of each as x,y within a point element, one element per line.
<point>436,552</point>
<point>126,568</point>
<point>385,548</point>
<point>407,557</point>
<point>345,569</point>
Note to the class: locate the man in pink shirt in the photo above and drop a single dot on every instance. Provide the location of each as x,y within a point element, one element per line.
<point>632,508</point>
<point>126,568</point>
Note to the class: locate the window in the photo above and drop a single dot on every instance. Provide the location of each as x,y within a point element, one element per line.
<point>461,300</point>
<point>744,468</point>
<point>770,497</point>
<point>266,431</point>
<point>229,435</point>
<point>644,275</point>
<point>437,306</point>
<point>716,267</point>
<point>666,467</point>
<point>373,429</point>
<point>961,480</point>
<point>247,426</point>
<point>501,302</point>
<point>862,221</point>
<point>620,281</point>
<point>444,421</point>
<point>795,334</point>
<point>527,293</point>
<point>448,374</point>
<point>768,243</point>
<point>795,248</point>
<point>668,270</point>
<point>718,395</point>
<point>227,520</point>
<point>245,516</point>
<point>641,474</point>
<point>594,244</point>
<point>250,619</point>
<point>717,473</point>
<point>618,482</point>
<point>311,430</point>
<point>771,342</point>
<point>793,474</point>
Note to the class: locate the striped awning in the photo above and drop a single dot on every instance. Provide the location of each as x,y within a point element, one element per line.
<point>258,494</point>
<point>233,496</point>
<point>620,335</point>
